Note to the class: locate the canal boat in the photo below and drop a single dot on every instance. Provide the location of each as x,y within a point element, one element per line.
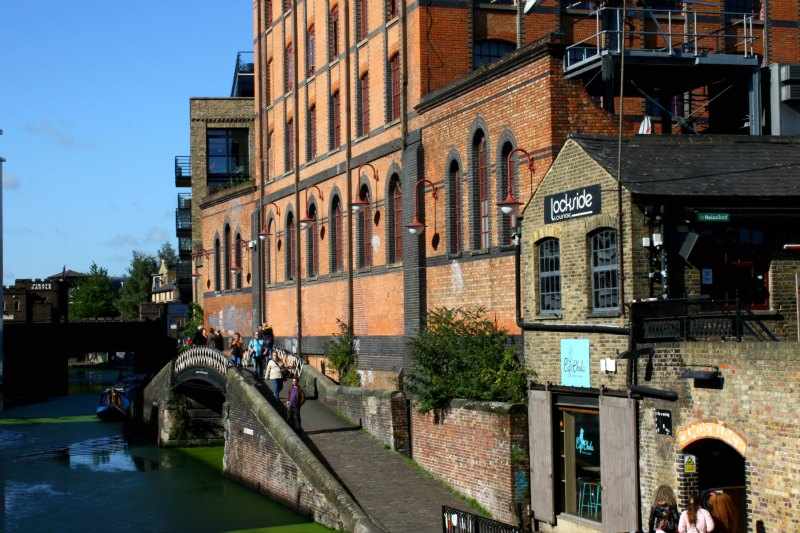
<point>117,402</point>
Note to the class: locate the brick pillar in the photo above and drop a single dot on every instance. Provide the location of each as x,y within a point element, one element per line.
<point>414,283</point>
<point>687,482</point>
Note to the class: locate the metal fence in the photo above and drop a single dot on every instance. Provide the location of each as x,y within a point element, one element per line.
<point>458,521</point>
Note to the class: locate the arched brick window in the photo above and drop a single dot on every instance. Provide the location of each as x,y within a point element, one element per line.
<point>217,265</point>
<point>454,208</point>
<point>312,246</point>
<point>364,230</point>
<point>336,235</point>
<point>549,276</point>
<point>481,239</point>
<point>333,33</point>
<point>237,262</point>
<point>291,242</point>
<point>502,188</point>
<point>227,266</point>
<point>604,264</point>
<point>394,226</point>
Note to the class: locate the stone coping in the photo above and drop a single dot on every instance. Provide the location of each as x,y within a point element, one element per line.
<point>326,387</point>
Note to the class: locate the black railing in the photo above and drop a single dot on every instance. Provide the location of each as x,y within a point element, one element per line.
<point>184,200</point>
<point>244,62</point>
<point>183,171</point>
<point>698,319</point>
<point>243,75</point>
<point>458,521</point>
<point>185,247</point>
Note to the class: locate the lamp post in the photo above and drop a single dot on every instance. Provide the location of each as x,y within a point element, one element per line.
<point>307,220</point>
<point>510,204</point>
<point>358,204</point>
<point>416,227</point>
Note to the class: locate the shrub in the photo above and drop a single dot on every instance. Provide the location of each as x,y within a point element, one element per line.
<point>342,356</point>
<point>461,354</point>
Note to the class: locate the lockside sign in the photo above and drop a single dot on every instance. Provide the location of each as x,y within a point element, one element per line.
<point>572,204</point>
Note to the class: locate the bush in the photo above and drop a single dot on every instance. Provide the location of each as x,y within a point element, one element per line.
<point>342,356</point>
<point>461,354</point>
<point>195,320</point>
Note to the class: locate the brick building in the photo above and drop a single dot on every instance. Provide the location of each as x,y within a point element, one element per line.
<point>689,273</point>
<point>369,115</point>
<point>36,301</point>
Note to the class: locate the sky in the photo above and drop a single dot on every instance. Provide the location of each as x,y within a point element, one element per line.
<point>94,105</point>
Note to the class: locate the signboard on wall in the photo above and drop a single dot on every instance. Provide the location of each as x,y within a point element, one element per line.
<point>572,204</point>
<point>664,422</point>
<point>575,363</point>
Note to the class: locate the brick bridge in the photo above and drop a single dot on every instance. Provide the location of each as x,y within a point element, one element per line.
<point>333,470</point>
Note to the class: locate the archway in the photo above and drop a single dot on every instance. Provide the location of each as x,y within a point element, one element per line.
<point>718,474</point>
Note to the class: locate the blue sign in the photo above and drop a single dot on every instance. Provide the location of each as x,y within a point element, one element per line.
<point>582,445</point>
<point>575,363</point>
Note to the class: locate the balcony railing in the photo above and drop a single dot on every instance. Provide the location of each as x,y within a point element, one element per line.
<point>185,247</point>
<point>681,33</point>
<point>698,319</point>
<point>183,171</point>
<point>183,215</point>
<point>243,75</point>
<point>184,200</point>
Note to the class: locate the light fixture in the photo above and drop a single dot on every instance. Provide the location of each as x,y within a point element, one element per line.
<point>416,227</point>
<point>263,235</point>
<point>509,204</point>
<point>357,205</point>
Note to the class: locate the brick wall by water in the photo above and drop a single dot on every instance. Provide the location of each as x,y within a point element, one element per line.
<point>475,447</point>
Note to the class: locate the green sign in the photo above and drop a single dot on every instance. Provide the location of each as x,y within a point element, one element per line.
<point>713,217</point>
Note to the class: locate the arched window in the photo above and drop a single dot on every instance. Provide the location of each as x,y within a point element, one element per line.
<point>312,248</point>
<point>502,187</point>
<point>237,255</point>
<point>454,207</point>
<point>336,235</point>
<point>487,51</point>
<point>364,230</point>
<point>549,276</point>
<point>217,265</point>
<point>227,266</point>
<point>605,270</point>
<point>291,264</point>
<point>480,193</point>
<point>394,226</point>
<point>268,252</point>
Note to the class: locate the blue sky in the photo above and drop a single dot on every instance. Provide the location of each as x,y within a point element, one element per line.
<point>94,104</point>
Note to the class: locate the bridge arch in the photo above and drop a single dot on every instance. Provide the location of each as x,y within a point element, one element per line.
<point>200,363</point>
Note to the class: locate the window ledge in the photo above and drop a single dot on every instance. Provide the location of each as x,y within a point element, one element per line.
<point>362,42</point>
<point>392,21</point>
<point>333,62</point>
<point>605,314</point>
<point>455,256</point>
<point>497,7</point>
<point>483,251</point>
<point>392,122</point>
<point>549,316</point>
<point>507,247</point>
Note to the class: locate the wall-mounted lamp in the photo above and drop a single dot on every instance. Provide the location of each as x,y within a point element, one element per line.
<point>416,227</point>
<point>358,204</point>
<point>306,221</point>
<point>262,235</point>
<point>510,204</point>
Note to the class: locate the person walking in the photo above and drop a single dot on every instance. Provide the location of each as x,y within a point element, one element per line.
<point>695,519</point>
<point>275,376</point>
<point>269,340</point>
<point>237,350</point>
<point>724,512</point>
<point>664,515</point>
<point>255,349</point>
<point>217,340</point>
<point>296,400</point>
<point>200,337</point>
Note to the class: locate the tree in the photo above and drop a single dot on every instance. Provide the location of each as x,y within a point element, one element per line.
<point>137,286</point>
<point>461,354</point>
<point>167,253</point>
<point>94,296</point>
<point>342,356</point>
<point>195,320</point>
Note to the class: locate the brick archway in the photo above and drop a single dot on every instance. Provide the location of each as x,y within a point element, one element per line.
<point>711,430</point>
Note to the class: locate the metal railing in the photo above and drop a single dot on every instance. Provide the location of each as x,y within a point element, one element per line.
<point>185,247</point>
<point>458,521</point>
<point>673,32</point>
<point>294,363</point>
<point>200,357</point>
<point>244,62</point>
<point>184,200</point>
<point>183,170</point>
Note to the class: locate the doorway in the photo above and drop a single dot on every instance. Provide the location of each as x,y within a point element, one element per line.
<point>720,475</point>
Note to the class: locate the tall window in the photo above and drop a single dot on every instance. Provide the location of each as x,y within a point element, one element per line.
<point>503,184</point>
<point>291,237</point>
<point>333,34</point>
<point>605,270</point>
<point>364,230</point>
<point>480,193</point>
<point>288,61</point>
<point>336,121</point>
<point>578,440</point>
<point>289,145</point>
<point>287,5</point>
<point>362,21</point>
<point>270,154</point>
<point>488,51</point>
<point>227,243</point>
<point>395,225</point>
<point>312,249</point>
<point>336,235</point>
<point>391,9</point>
<point>267,12</point>
<point>217,265</point>
<point>228,156</point>
<point>549,276</point>
<point>270,77</point>
<point>237,262</point>
<point>363,104</point>
<point>268,252</point>
<point>454,207</point>
<point>394,87</point>
<point>311,152</point>
<point>311,43</point>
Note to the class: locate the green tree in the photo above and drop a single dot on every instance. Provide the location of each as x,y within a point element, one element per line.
<point>195,320</point>
<point>167,253</point>
<point>138,284</point>
<point>342,356</point>
<point>94,296</point>
<point>461,354</point>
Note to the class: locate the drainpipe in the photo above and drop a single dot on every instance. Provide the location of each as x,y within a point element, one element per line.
<point>296,141</point>
<point>263,129</point>
<point>403,77</point>
<point>348,165</point>
<point>519,24</point>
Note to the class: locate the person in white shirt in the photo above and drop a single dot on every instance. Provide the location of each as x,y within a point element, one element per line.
<point>695,519</point>
<point>275,376</point>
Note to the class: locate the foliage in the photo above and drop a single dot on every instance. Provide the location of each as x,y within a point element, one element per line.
<point>94,296</point>
<point>137,286</point>
<point>461,354</point>
<point>168,254</point>
<point>342,356</point>
<point>195,320</point>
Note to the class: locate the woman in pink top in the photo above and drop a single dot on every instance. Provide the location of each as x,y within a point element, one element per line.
<point>695,519</point>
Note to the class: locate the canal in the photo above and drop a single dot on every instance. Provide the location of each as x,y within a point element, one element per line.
<point>63,470</point>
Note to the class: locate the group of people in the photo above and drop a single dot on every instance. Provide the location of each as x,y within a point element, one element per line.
<point>720,517</point>
<point>259,356</point>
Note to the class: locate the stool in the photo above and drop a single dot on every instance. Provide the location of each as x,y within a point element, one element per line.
<point>589,498</point>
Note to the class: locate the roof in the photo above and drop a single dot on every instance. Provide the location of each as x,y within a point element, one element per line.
<point>66,274</point>
<point>701,165</point>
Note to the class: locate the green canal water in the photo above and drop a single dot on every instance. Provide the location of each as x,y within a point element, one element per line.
<point>63,470</point>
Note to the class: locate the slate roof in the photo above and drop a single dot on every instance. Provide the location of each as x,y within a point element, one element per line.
<point>701,165</point>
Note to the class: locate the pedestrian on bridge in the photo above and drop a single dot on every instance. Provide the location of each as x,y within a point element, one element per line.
<point>237,350</point>
<point>296,400</point>
<point>275,376</point>
<point>200,337</point>
<point>216,339</point>
<point>269,340</point>
<point>254,349</point>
